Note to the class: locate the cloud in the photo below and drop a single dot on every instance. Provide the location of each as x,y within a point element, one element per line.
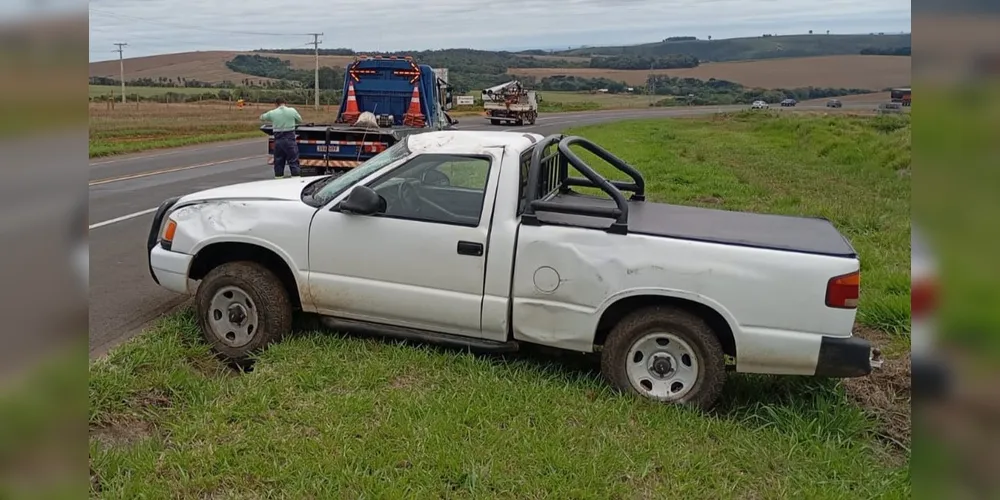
<point>161,26</point>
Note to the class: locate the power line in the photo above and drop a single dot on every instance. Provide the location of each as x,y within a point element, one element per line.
<point>121,66</point>
<point>315,43</point>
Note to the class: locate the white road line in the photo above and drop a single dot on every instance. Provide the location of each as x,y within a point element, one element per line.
<point>122,218</point>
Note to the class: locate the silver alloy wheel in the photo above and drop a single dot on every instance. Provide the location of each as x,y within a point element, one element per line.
<point>662,366</point>
<point>233,316</point>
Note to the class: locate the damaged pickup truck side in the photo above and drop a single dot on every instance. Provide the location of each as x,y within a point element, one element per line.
<point>478,239</point>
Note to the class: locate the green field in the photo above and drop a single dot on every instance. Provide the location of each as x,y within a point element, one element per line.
<point>107,90</point>
<point>327,416</point>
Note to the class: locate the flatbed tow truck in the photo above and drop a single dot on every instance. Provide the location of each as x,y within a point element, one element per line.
<point>404,97</point>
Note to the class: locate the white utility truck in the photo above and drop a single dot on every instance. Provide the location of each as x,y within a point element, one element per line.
<point>510,103</point>
<point>479,240</point>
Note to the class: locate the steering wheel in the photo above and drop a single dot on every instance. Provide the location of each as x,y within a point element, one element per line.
<point>435,178</point>
<point>409,198</point>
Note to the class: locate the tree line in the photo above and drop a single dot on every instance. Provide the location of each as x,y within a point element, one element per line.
<point>468,68</point>
<point>669,61</point>
<point>688,91</point>
<point>883,51</point>
<point>281,69</point>
<point>292,96</point>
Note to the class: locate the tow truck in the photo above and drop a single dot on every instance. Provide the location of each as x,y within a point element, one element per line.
<point>404,97</point>
<point>510,103</point>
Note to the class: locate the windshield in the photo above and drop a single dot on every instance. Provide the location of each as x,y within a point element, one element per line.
<point>332,189</point>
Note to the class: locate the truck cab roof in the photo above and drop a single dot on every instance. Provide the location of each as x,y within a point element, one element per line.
<point>466,141</point>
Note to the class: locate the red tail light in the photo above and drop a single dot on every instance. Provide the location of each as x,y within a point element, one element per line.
<point>842,291</point>
<point>923,297</point>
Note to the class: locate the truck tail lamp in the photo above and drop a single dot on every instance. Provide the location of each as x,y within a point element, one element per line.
<point>842,291</point>
<point>923,297</point>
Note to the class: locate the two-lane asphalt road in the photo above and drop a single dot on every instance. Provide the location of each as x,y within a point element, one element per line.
<point>125,191</point>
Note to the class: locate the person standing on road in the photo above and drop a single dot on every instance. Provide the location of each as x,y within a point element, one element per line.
<point>284,120</point>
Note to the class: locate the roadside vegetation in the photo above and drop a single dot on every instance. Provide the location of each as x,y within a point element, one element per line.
<point>323,415</point>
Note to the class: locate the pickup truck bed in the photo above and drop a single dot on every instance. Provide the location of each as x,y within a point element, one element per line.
<point>777,232</point>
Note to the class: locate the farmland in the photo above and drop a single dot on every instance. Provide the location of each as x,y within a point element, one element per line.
<point>347,416</point>
<point>853,71</point>
<point>130,128</point>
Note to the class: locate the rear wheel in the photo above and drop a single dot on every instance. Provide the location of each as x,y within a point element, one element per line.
<point>242,307</point>
<point>667,355</point>
<point>494,121</point>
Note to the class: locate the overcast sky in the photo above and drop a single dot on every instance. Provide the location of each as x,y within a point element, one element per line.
<point>163,26</point>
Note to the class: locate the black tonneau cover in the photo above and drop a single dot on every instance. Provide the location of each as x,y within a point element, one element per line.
<point>549,199</point>
<point>777,232</point>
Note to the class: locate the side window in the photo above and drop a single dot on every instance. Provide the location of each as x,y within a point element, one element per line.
<point>446,189</point>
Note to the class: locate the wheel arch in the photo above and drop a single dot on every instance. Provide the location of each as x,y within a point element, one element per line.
<point>215,254</point>
<point>717,318</point>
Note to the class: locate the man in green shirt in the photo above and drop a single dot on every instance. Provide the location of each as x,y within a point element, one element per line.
<point>284,120</point>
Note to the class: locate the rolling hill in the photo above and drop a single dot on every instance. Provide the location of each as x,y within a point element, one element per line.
<point>800,63</point>
<point>751,48</point>
<point>854,71</point>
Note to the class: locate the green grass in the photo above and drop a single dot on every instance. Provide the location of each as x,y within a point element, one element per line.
<point>100,148</point>
<point>107,90</point>
<point>322,416</point>
<point>325,416</point>
<point>852,170</point>
<point>587,101</point>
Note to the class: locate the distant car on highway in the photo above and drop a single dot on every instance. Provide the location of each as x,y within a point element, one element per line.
<point>834,103</point>
<point>759,105</point>
<point>788,102</point>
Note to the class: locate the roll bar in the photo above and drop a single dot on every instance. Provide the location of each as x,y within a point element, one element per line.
<point>556,176</point>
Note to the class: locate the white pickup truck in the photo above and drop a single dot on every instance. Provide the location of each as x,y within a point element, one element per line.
<point>478,239</point>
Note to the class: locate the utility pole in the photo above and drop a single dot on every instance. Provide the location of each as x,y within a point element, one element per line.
<point>121,67</point>
<point>315,44</point>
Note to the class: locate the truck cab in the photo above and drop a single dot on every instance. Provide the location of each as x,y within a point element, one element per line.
<point>482,240</point>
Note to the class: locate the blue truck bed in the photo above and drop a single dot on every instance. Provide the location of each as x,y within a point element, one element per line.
<point>382,86</point>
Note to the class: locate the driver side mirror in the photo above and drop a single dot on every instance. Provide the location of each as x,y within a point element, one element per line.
<point>363,200</point>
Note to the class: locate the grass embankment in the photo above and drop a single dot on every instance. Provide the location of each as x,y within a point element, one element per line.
<point>135,127</point>
<point>329,416</point>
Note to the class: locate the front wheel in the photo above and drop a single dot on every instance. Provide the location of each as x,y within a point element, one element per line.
<point>667,355</point>
<point>242,307</point>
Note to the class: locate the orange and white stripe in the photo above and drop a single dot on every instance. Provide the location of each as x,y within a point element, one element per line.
<point>322,163</point>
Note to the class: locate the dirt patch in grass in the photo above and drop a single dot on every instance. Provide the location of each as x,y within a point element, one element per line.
<point>404,382</point>
<point>885,394</point>
<point>122,433</point>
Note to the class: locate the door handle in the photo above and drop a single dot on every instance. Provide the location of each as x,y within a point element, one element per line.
<point>470,248</point>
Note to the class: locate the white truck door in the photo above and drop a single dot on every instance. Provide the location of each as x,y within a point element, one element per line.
<point>421,263</point>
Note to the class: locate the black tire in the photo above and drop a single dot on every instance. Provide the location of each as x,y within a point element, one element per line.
<point>519,123</point>
<point>272,304</point>
<point>711,373</point>
<point>494,122</point>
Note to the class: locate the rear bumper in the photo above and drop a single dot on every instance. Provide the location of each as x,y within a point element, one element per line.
<point>846,357</point>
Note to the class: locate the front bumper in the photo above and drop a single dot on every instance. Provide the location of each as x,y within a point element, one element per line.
<point>152,239</point>
<point>170,269</point>
<point>846,357</point>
